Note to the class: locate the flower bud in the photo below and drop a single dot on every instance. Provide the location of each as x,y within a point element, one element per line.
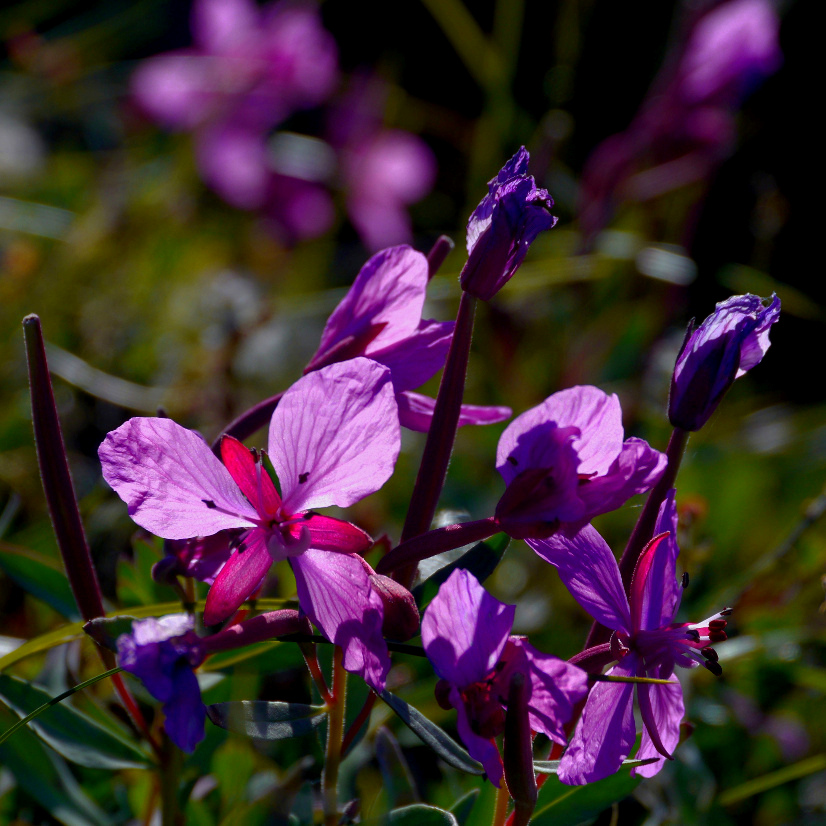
<point>401,616</point>
<point>724,347</point>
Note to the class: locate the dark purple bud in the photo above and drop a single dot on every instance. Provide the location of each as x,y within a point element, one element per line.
<point>724,347</point>
<point>518,748</point>
<point>401,616</point>
<point>503,226</point>
<point>442,692</point>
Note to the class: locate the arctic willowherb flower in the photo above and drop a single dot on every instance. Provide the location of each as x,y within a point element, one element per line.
<point>565,461</point>
<point>466,635</point>
<point>162,653</point>
<point>732,340</point>
<point>334,439</point>
<point>646,641</point>
<point>381,318</point>
<point>504,225</point>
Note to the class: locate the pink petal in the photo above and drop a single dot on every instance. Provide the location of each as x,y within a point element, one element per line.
<point>250,476</point>
<point>605,732</point>
<point>417,358</point>
<point>587,567</point>
<point>238,579</point>
<point>668,710</point>
<point>330,534</point>
<point>174,485</point>
<point>334,591</point>
<point>465,629</point>
<point>334,437</point>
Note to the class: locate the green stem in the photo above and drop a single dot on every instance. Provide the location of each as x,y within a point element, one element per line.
<point>169,774</point>
<point>335,735</point>
<point>500,811</point>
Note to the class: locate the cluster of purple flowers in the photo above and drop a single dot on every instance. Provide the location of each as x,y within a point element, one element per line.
<point>249,69</point>
<point>334,437</point>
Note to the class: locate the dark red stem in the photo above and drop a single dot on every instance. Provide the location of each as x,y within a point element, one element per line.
<point>518,748</point>
<point>249,422</point>
<point>438,253</point>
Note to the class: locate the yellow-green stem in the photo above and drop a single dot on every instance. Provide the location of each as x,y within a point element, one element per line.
<point>500,811</point>
<point>335,735</point>
<point>169,776</point>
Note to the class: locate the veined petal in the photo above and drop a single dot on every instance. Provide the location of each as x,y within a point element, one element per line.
<point>238,579</point>
<point>416,412</point>
<point>184,712</point>
<point>174,485</point>
<point>556,687</point>
<point>465,629</point>
<point>334,591</point>
<point>605,732</point>
<point>417,358</point>
<point>334,437</point>
<point>667,711</point>
<point>479,748</point>
<point>330,534</point>
<point>587,567</point>
<point>390,289</point>
<point>254,481</point>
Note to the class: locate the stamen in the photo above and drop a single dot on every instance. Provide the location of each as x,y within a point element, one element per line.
<point>714,667</point>
<point>709,653</point>
<point>210,504</point>
<point>685,580</point>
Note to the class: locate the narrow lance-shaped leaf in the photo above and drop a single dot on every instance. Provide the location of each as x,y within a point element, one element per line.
<point>266,720</point>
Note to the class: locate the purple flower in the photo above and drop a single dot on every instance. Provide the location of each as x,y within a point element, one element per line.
<point>162,654</point>
<point>646,641</point>
<point>381,318</point>
<point>466,634</point>
<point>724,347</point>
<point>334,439</point>
<point>503,226</point>
<point>565,461</point>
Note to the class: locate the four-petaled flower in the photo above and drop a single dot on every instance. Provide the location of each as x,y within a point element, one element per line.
<point>503,226</point>
<point>565,461</point>
<point>466,635</point>
<point>646,641</point>
<point>732,340</point>
<point>334,439</point>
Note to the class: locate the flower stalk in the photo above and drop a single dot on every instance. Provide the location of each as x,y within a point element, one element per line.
<point>335,735</point>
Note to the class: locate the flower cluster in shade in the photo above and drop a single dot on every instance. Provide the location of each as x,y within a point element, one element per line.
<point>466,635</point>
<point>646,641</point>
<point>334,439</point>
<point>732,340</point>
<point>249,69</point>
<point>686,126</point>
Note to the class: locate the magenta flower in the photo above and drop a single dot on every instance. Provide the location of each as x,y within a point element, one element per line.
<point>466,634</point>
<point>504,225</point>
<point>646,641</point>
<point>381,318</point>
<point>724,347</point>
<point>334,439</point>
<point>565,461</point>
<point>162,653</point>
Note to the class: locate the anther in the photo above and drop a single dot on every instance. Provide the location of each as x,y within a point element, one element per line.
<point>709,653</point>
<point>717,624</point>
<point>717,636</point>
<point>302,477</point>
<point>209,503</point>
<point>726,612</point>
<point>685,580</point>
<point>693,633</point>
<point>714,667</point>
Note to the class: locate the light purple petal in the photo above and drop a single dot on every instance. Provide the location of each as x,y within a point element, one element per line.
<point>179,89</point>
<point>389,291</point>
<point>464,630</point>
<point>668,711</point>
<point>635,470</point>
<point>233,161</point>
<point>556,687</point>
<point>605,733</point>
<point>755,346</point>
<point>590,572</point>
<point>174,485</point>
<point>335,437</point>
<point>224,26</point>
<point>334,591</point>
<point>417,358</point>
<point>416,412</point>
<point>662,591</point>
<point>479,748</point>
<point>238,579</point>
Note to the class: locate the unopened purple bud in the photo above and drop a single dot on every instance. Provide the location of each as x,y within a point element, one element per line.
<point>401,616</point>
<point>724,347</point>
<point>503,226</point>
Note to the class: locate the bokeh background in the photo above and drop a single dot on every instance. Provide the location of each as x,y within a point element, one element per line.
<point>155,292</point>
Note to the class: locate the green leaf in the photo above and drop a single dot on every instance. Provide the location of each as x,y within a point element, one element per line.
<point>106,630</point>
<point>561,805</point>
<point>41,576</point>
<point>47,778</point>
<point>420,814</point>
<point>69,732</point>
<point>480,814</point>
<point>552,766</point>
<point>431,735</point>
<point>266,720</point>
<point>481,560</point>
<point>462,808</point>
